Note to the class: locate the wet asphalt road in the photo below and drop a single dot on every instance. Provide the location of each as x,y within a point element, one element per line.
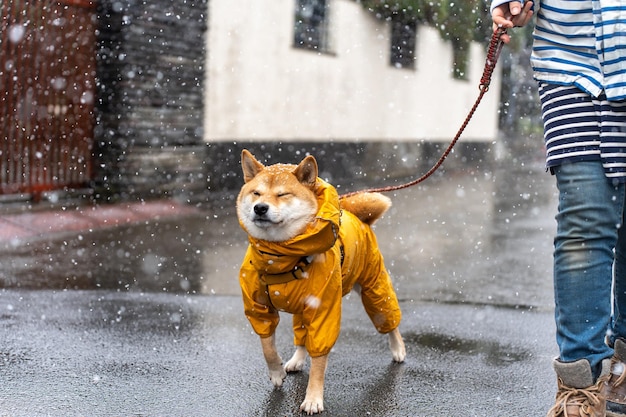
<point>146,319</point>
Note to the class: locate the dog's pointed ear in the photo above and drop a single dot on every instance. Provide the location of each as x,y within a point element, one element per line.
<point>249,165</point>
<point>306,172</point>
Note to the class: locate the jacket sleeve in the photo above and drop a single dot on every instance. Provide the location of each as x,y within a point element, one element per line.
<point>262,316</point>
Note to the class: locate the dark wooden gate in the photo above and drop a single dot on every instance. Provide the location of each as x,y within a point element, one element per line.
<point>47,94</point>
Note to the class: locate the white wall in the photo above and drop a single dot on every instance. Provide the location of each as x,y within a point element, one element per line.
<point>260,87</point>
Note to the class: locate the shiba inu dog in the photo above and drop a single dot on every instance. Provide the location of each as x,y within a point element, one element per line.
<point>307,250</point>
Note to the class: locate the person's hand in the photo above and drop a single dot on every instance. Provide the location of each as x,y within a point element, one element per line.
<point>510,15</point>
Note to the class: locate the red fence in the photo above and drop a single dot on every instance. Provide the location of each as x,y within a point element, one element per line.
<point>47,94</point>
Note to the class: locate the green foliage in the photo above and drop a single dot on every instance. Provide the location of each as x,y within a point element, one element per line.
<point>460,21</point>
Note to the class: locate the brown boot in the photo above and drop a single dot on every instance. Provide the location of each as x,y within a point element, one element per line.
<point>615,390</point>
<point>578,395</point>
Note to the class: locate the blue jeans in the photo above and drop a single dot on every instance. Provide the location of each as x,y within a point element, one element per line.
<point>589,250</point>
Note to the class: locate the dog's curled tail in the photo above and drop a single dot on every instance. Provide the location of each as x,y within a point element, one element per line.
<point>368,207</point>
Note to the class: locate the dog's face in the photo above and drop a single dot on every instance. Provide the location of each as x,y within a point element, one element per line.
<point>277,202</point>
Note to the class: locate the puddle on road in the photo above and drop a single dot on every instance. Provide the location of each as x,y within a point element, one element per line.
<point>493,353</point>
<point>176,256</point>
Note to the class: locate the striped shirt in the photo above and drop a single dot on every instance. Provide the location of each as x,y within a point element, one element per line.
<point>582,44</point>
<point>580,127</point>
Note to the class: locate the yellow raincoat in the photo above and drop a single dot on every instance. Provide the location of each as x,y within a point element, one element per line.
<point>308,275</point>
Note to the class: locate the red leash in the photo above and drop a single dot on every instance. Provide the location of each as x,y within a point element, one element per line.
<point>493,52</point>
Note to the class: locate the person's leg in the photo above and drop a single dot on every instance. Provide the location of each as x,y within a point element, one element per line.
<point>589,215</point>
<point>588,219</point>
<point>615,389</point>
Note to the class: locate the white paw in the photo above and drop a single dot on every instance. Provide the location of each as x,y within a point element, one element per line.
<point>277,376</point>
<point>398,354</point>
<point>295,365</point>
<point>312,405</point>
<point>297,361</point>
<point>396,345</point>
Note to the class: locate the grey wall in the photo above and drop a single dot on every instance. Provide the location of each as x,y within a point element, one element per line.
<point>151,77</point>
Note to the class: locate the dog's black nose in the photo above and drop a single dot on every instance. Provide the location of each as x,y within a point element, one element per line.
<point>261,209</point>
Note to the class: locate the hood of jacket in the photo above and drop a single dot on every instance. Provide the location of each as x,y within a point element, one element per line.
<point>319,236</point>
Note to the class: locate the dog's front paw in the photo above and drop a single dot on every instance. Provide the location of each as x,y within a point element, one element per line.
<point>312,405</point>
<point>398,354</point>
<point>277,376</point>
<point>396,345</point>
<point>297,361</point>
